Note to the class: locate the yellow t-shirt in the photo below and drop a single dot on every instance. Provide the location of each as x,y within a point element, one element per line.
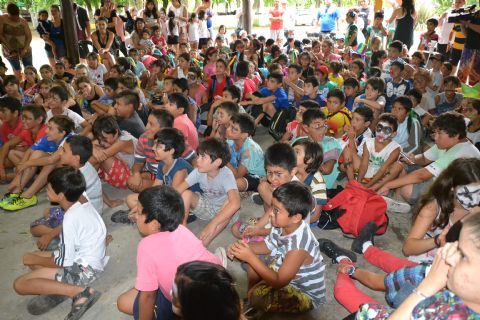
<point>338,79</point>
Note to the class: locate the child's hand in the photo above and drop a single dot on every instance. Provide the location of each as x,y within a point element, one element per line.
<point>242,251</point>
<point>344,268</point>
<point>230,252</point>
<point>350,131</point>
<point>44,241</point>
<point>252,231</point>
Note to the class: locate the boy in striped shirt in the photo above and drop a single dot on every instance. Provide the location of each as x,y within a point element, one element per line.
<point>290,276</point>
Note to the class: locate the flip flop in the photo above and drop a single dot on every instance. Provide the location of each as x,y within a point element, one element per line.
<point>79,309</point>
<point>41,304</point>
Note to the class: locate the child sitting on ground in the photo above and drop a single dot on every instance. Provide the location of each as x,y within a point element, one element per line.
<point>273,98</point>
<point>294,71</point>
<point>159,217</point>
<point>219,200</point>
<point>225,111</point>
<point>41,154</point>
<point>324,85</point>
<point>75,153</point>
<point>415,96</point>
<point>449,99</point>
<point>372,98</point>
<point>315,126</point>
<point>338,116</point>
<point>355,136</point>
<point>379,153</point>
<point>395,86</point>
<point>309,91</point>
<point>294,128</point>
<point>309,159</point>
<point>112,153</point>
<point>295,280</point>
<point>246,156</point>
<point>80,259</point>
<point>126,104</point>
<point>351,87</point>
<point>409,133</point>
<point>96,71</point>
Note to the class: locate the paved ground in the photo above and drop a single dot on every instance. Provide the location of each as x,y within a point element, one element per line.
<point>119,275</point>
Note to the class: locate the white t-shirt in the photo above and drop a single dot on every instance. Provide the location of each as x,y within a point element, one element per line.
<point>193,35</point>
<point>94,186</point>
<point>427,103</point>
<point>376,159</point>
<point>82,240</point>
<point>442,158</point>
<point>75,117</point>
<point>128,158</point>
<point>96,75</point>
<point>202,29</point>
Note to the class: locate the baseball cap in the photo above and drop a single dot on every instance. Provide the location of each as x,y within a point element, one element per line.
<point>323,69</point>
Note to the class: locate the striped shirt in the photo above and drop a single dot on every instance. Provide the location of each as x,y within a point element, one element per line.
<point>309,278</point>
<point>144,154</point>
<point>459,40</point>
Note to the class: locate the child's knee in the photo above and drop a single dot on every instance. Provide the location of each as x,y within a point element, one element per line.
<point>19,285</point>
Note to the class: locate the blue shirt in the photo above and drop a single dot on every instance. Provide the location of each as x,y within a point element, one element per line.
<point>331,151</point>
<point>328,18</point>
<point>319,98</point>
<point>281,98</point>
<point>178,164</point>
<point>48,146</point>
<point>250,156</point>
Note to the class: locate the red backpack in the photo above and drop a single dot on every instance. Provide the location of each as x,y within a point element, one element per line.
<point>359,206</point>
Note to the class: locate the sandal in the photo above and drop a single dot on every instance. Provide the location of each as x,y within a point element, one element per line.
<point>41,304</point>
<point>121,216</point>
<point>78,309</point>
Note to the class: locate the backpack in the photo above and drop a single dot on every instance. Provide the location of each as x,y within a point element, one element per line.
<point>278,124</point>
<point>360,206</point>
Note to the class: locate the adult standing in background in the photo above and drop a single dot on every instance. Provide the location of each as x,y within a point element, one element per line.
<point>470,60</point>
<point>207,7</point>
<point>57,34</point>
<point>327,18</point>
<point>181,16</point>
<point>275,15</point>
<point>150,14</point>
<point>288,17</point>
<point>405,17</point>
<point>82,27</point>
<point>15,36</point>
<point>107,11</point>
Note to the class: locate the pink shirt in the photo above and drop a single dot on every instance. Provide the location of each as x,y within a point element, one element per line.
<point>160,254</point>
<point>185,125</point>
<point>209,69</point>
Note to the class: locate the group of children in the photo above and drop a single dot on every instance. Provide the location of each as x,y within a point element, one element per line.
<point>177,127</point>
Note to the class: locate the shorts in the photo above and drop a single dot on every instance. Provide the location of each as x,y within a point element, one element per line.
<point>418,190</point>
<point>400,283</point>
<point>252,181</point>
<point>275,34</point>
<point>172,40</point>
<point>118,174</point>
<point>162,309</point>
<point>455,56</point>
<point>26,61</point>
<point>205,209</point>
<point>77,275</point>
<point>442,49</point>
<point>54,220</point>
<point>288,299</point>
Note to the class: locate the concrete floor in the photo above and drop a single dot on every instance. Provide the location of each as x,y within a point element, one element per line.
<point>119,274</point>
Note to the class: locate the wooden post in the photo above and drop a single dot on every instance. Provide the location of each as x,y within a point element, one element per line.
<point>71,40</point>
<point>247,16</point>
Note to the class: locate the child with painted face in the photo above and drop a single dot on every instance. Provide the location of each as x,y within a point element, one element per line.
<point>379,153</point>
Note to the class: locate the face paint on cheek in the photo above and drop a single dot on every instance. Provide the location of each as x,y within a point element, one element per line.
<point>381,137</point>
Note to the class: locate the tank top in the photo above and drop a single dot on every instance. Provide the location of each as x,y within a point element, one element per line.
<point>378,159</point>
<point>179,13</point>
<point>15,36</point>
<point>404,31</point>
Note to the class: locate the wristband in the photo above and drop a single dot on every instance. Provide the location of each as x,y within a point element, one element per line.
<point>351,270</point>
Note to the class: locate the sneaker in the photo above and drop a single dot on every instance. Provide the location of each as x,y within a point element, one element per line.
<point>257,199</point>
<point>333,251</point>
<point>191,218</point>
<point>367,234</point>
<point>121,216</point>
<point>222,255</point>
<point>7,198</point>
<point>397,206</point>
<point>20,203</point>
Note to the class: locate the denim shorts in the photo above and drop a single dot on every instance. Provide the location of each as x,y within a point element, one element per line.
<point>26,61</point>
<point>162,309</point>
